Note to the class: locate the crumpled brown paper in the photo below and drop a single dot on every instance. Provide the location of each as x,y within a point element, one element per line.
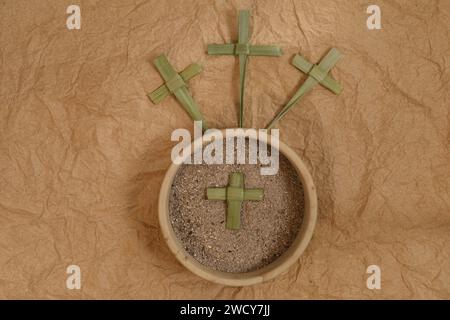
<point>83,151</point>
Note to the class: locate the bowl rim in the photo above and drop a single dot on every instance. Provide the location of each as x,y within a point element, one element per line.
<point>268,272</point>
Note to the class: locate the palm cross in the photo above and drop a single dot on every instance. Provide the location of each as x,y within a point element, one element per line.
<point>317,74</point>
<point>243,49</point>
<point>234,194</point>
<point>175,83</point>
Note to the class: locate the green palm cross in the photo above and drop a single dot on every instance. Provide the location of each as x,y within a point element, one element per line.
<point>317,74</point>
<point>175,83</point>
<point>243,49</point>
<point>234,194</point>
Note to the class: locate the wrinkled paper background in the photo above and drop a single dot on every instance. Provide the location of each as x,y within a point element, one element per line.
<point>83,151</point>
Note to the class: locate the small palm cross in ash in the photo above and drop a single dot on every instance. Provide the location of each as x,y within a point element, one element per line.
<point>234,194</point>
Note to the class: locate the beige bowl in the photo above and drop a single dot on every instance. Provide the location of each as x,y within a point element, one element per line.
<point>277,267</point>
